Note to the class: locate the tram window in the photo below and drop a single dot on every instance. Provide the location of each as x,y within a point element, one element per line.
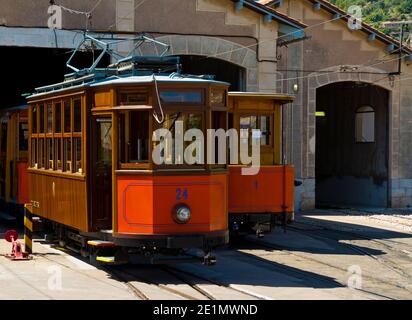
<point>190,121</point>
<point>41,117</point>
<point>77,116</point>
<point>182,97</point>
<point>265,130</point>
<point>3,135</point>
<point>217,97</point>
<point>23,136</point>
<point>134,137</point>
<point>67,155</point>
<point>257,122</point>
<point>132,98</point>
<point>34,119</point>
<point>40,162</point>
<point>67,116</point>
<point>49,154</point>
<point>57,154</point>
<point>49,118</point>
<point>104,134</point>
<point>33,153</point>
<point>77,149</point>
<point>219,122</point>
<point>58,117</point>
<point>365,124</point>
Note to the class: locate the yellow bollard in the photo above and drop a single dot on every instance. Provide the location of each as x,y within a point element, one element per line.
<point>28,229</point>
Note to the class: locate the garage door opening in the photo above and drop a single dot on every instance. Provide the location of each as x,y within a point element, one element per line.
<point>222,70</point>
<point>352,145</point>
<point>24,69</point>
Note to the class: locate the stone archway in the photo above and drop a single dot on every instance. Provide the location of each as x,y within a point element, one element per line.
<point>334,75</point>
<point>209,46</point>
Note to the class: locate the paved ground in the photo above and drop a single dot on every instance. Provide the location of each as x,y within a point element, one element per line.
<point>334,254</point>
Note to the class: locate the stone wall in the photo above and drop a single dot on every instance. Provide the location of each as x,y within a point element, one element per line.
<point>333,46</point>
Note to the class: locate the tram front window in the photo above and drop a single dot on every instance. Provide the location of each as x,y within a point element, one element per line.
<point>190,121</point>
<point>134,137</point>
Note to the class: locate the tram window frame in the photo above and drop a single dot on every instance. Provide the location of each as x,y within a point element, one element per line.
<point>216,103</point>
<point>143,92</point>
<point>61,134</point>
<point>271,130</point>
<point>167,125</point>
<point>124,127</point>
<point>199,103</point>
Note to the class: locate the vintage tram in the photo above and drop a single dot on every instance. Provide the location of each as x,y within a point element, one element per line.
<point>258,202</point>
<point>13,161</point>
<point>92,175</point>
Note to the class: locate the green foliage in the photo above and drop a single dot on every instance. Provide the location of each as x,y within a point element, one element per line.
<point>377,11</point>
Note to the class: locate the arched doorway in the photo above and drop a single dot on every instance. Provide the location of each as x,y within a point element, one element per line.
<point>222,70</point>
<point>352,145</point>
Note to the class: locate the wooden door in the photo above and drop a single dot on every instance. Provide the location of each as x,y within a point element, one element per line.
<point>101,186</point>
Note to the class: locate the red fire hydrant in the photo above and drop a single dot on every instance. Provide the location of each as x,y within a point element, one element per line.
<point>16,249</point>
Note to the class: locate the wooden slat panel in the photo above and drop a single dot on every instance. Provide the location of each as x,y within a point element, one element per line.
<point>60,199</point>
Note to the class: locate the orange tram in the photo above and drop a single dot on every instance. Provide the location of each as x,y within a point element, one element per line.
<point>91,178</point>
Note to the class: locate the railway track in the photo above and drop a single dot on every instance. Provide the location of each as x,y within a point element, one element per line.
<point>303,274</point>
<point>320,235</point>
<point>325,234</point>
<point>217,283</point>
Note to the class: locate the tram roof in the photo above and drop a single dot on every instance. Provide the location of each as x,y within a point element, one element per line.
<point>93,80</point>
<point>158,78</point>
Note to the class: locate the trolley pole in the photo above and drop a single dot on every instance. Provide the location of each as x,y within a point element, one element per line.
<point>28,229</point>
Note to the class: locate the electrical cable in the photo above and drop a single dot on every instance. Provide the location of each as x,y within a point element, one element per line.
<point>159,102</point>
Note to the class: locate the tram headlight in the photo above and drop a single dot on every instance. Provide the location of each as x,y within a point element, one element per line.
<point>182,213</point>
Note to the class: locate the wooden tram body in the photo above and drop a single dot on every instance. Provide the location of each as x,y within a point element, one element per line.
<point>92,174</point>
<point>13,159</point>
<point>257,202</point>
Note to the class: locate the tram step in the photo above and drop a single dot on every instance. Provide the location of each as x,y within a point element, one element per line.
<point>100,243</point>
<point>106,259</point>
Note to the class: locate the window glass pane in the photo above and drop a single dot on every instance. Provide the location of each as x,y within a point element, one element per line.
<point>49,118</point>
<point>33,153</point>
<point>67,116</point>
<point>58,117</point>
<point>134,146</point>
<point>194,97</point>
<point>217,97</point>
<point>104,134</point>
<point>138,142</point>
<point>23,136</point>
<point>265,130</point>
<point>57,154</point>
<point>40,162</point>
<point>34,119</point>
<point>190,121</point>
<point>49,154</point>
<point>133,98</point>
<point>41,112</point>
<point>67,155</point>
<point>77,149</point>
<point>365,125</point>
<point>77,110</point>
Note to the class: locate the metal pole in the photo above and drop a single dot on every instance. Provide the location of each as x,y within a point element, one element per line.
<point>28,229</point>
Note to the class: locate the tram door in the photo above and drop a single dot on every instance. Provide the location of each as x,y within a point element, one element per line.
<point>101,183</point>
